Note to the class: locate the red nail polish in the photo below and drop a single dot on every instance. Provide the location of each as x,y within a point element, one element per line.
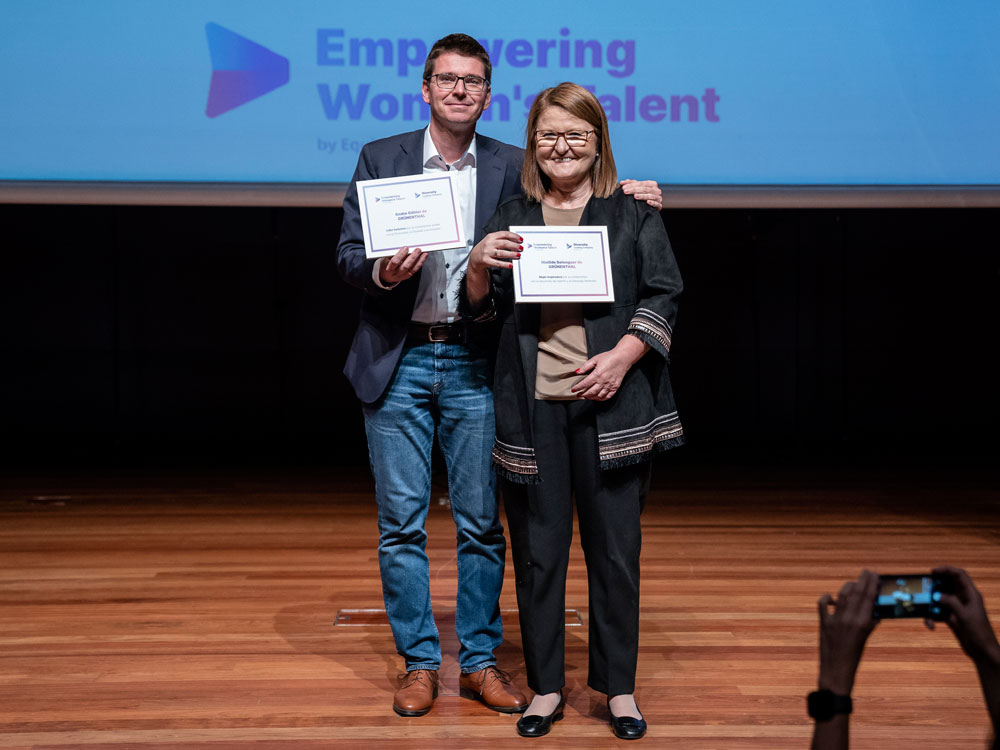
<point>519,247</point>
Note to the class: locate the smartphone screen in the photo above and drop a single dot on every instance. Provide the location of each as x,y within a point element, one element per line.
<point>908,596</point>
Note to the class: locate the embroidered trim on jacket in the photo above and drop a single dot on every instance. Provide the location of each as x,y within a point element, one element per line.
<point>653,325</point>
<point>515,459</point>
<point>614,446</point>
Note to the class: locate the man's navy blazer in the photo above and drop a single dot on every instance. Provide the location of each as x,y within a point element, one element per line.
<point>386,314</point>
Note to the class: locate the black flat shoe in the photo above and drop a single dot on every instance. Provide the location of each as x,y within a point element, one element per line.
<point>625,727</point>
<point>539,726</point>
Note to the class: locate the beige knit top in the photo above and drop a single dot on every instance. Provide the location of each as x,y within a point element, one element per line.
<point>562,341</point>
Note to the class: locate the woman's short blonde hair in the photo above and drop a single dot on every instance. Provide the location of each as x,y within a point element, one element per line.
<point>580,103</point>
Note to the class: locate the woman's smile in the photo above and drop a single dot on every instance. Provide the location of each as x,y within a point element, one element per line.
<point>566,164</point>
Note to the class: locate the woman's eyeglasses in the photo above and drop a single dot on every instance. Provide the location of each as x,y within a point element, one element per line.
<point>573,138</point>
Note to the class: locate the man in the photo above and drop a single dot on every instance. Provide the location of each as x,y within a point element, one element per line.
<point>418,369</point>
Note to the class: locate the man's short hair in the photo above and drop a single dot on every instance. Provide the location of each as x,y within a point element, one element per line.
<point>461,44</point>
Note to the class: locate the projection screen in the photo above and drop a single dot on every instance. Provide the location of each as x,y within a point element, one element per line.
<point>724,102</point>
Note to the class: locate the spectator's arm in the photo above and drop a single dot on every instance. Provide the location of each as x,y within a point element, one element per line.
<point>842,637</point>
<point>969,622</point>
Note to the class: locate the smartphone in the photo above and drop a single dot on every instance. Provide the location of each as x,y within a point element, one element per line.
<point>911,595</point>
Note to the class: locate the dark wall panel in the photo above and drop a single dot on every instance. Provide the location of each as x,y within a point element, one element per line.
<point>920,316</point>
<point>132,330</point>
<point>58,315</point>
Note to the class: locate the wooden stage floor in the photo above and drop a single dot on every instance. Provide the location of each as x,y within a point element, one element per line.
<point>198,611</point>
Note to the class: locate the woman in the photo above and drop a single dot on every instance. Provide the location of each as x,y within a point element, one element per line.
<point>583,401</point>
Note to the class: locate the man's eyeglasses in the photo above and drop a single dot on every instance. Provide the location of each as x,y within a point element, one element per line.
<point>474,84</point>
<point>573,138</point>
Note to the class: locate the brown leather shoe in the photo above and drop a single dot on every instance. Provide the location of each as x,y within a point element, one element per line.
<point>491,687</point>
<point>416,693</point>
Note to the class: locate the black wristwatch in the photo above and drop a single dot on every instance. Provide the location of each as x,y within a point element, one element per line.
<point>825,704</point>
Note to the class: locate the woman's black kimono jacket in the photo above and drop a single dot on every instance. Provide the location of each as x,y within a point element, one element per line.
<point>641,417</point>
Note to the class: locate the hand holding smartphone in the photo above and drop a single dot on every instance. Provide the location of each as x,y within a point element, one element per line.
<point>911,595</point>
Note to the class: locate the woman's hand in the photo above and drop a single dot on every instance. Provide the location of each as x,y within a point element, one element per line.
<point>607,369</point>
<point>495,250</point>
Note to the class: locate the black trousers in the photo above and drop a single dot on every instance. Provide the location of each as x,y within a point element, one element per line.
<point>540,518</point>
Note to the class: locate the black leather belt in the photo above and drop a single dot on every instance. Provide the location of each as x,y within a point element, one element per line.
<point>446,333</point>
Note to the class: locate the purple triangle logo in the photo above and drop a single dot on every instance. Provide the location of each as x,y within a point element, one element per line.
<point>241,70</point>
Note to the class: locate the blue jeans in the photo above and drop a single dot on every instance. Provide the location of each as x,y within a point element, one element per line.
<point>443,387</point>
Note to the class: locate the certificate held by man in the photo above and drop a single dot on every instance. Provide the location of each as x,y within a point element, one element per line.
<point>415,211</point>
<point>563,264</point>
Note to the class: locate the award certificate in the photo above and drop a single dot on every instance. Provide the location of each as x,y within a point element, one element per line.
<point>412,211</point>
<point>563,264</point>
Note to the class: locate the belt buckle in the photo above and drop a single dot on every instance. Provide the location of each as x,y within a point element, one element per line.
<point>445,328</point>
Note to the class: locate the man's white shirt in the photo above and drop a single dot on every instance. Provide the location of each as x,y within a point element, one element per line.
<point>442,272</point>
